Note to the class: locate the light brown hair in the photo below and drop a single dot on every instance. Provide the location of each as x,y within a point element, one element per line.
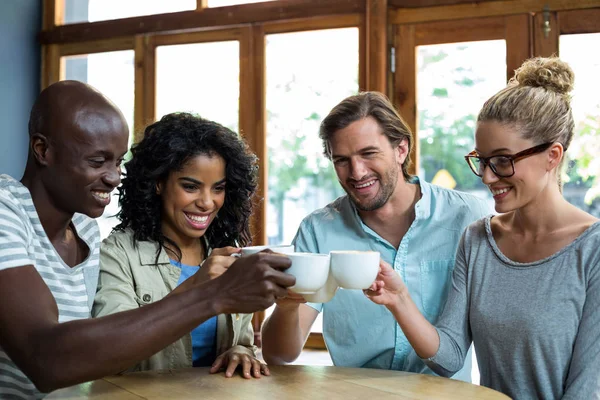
<point>537,103</point>
<point>363,105</point>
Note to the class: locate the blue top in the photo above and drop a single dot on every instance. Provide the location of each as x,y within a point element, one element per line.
<point>204,336</point>
<point>360,333</point>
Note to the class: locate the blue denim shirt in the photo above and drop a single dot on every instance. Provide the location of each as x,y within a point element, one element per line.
<point>360,333</point>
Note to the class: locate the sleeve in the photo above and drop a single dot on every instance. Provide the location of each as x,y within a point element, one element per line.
<point>305,241</point>
<point>453,325</point>
<point>116,291</point>
<point>246,334</point>
<point>583,378</point>
<point>14,236</point>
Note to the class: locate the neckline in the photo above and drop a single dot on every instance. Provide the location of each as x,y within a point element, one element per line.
<point>506,260</point>
<point>44,237</point>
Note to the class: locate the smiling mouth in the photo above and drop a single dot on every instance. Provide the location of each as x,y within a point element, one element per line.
<point>101,195</point>
<point>364,184</point>
<point>199,219</point>
<point>497,192</point>
<point>103,198</point>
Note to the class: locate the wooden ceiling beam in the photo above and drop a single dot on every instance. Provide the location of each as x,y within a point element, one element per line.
<point>208,18</point>
<point>484,9</point>
<point>430,3</point>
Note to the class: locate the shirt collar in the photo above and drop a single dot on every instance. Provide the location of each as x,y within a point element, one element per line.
<point>147,252</point>
<point>422,207</point>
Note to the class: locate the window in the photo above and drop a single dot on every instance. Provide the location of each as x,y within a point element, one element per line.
<point>308,73</point>
<point>582,177</point>
<point>453,82</point>
<point>99,10</point>
<point>202,78</point>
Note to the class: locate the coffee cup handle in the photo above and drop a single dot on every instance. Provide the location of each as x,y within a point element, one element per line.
<point>236,255</point>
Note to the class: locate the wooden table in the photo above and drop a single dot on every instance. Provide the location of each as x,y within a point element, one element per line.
<point>294,382</point>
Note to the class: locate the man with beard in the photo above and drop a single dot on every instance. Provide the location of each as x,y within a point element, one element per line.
<point>414,225</point>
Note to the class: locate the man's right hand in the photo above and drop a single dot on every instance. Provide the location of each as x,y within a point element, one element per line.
<point>253,283</point>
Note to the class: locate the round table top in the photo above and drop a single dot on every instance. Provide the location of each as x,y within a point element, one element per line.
<point>302,382</point>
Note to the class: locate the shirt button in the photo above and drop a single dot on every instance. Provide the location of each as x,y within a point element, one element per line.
<point>146,297</point>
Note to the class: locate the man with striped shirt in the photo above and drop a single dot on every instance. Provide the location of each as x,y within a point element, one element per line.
<point>49,246</point>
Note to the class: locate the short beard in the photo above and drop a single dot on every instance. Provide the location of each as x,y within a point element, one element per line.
<point>387,185</point>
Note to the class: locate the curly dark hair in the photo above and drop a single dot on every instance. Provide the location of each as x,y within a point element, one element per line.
<point>167,145</point>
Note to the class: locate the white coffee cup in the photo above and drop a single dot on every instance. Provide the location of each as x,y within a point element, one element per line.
<point>280,248</point>
<point>311,271</point>
<point>354,269</point>
<point>325,293</point>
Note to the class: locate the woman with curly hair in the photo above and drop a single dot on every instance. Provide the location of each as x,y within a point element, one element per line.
<point>186,201</point>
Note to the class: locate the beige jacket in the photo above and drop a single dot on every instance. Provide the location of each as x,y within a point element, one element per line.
<point>129,278</point>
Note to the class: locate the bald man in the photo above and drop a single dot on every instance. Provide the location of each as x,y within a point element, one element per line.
<point>49,246</point>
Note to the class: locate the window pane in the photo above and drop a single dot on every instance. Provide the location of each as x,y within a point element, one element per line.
<point>112,74</point>
<point>453,82</point>
<point>308,73</point>
<point>201,78</point>
<point>582,178</point>
<point>99,10</point>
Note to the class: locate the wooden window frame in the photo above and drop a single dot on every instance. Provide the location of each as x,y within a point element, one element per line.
<point>515,29</point>
<point>249,24</point>
<point>568,22</point>
<point>382,24</point>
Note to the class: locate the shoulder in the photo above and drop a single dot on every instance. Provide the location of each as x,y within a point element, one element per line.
<point>452,207</point>
<point>13,195</point>
<point>335,210</point>
<point>589,244</point>
<point>478,230</point>
<point>456,198</point>
<point>119,239</point>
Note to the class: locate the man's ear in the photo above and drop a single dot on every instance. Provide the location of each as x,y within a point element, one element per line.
<point>39,147</point>
<point>402,151</point>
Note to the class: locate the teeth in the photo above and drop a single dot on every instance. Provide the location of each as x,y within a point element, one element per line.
<point>196,218</point>
<point>500,191</point>
<point>364,185</point>
<point>102,195</point>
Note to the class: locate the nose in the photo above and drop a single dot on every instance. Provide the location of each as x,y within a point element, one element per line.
<point>204,201</point>
<point>357,169</point>
<point>488,176</point>
<point>113,177</point>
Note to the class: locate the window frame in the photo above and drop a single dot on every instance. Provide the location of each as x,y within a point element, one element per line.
<point>383,25</point>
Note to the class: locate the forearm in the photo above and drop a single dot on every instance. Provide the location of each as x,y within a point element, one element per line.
<point>421,334</point>
<point>84,350</point>
<point>282,336</point>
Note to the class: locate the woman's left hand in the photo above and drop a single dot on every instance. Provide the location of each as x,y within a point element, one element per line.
<point>240,356</point>
<point>387,288</point>
<point>218,262</point>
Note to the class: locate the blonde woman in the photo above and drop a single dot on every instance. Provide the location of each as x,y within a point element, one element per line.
<point>526,283</point>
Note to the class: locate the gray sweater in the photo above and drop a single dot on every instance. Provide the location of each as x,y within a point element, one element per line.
<point>535,326</point>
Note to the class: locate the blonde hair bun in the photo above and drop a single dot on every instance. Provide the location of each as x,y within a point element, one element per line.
<point>550,73</point>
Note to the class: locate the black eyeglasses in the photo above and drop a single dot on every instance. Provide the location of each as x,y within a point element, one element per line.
<point>502,165</point>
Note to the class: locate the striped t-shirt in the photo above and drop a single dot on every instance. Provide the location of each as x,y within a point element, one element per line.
<point>23,242</point>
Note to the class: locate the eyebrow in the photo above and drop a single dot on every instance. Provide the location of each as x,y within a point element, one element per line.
<point>105,154</point>
<point>502,150</point>
<point>363,150</point>
<point>197,182</point>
